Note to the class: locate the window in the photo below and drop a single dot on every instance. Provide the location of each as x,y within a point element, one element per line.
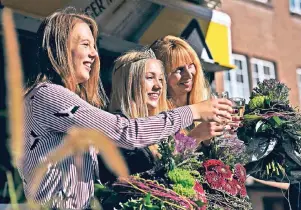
<point>236,81</point>
<point>262,1</point>
<point>295,6</point>
<point>299,83</point>
<point>261,70</point>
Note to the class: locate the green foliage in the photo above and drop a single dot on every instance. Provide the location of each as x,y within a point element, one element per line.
<point>192,163</point>
<point>166,149</point>
<point>185,191</point>
<point>145,203</point>
<point>182,177</point>
<point>183,182</point>
<point>271,133</point>
<point>102,191</point>
<point>257,102</point>
<point>273,89</point>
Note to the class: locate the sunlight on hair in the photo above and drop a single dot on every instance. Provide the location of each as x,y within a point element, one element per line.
<point>14,79</point>
<point>78,141</point>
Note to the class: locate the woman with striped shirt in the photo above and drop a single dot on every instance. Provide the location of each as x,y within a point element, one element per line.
<point>66,94</point>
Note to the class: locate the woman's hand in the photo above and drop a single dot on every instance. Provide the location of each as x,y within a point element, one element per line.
<point>235,123</point>
<point>213,110</point>
<point>206,131</point>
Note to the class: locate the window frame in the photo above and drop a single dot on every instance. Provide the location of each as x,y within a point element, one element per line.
<point>263,1</point>
<point>261,75</point>
<point>232,85</point>
<point>298,72</point>
<point>295,9</point>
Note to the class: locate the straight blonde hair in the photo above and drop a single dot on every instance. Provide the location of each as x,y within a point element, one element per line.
<point>173,52</point>
<point>128,85</point>
<point>54,56</point>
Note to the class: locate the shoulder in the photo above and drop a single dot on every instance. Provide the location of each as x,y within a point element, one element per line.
<point>51,91</point>
<point>53,96</point>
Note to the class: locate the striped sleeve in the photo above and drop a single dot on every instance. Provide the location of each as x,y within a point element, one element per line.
<point>57,109</point>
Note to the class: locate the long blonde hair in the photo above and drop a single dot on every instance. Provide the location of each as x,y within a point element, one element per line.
<point>128,87</point>
<point>54,56</point>
<point>173,52</point>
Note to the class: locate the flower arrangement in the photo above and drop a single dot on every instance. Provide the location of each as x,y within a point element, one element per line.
<point>272,134</point>
<point>186,177</point>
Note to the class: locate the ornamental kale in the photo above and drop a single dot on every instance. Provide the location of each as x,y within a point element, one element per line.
<point>273,89</point>
<point>271,133</point>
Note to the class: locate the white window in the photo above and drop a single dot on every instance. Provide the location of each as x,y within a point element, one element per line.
<point>261,70</point>
<point>295,6</point>
<point>299,83</point>
<point>262,1</point>
<point>236,81</point>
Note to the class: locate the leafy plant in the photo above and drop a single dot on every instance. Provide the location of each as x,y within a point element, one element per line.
<point>271,133</point>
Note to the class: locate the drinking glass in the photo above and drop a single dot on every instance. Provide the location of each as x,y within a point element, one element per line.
<point>238,106</point>
<point>223,94</point>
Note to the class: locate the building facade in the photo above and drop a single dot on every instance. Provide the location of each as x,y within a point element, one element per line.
<point>266,43</point>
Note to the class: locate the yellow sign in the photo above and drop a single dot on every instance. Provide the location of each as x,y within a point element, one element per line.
<point>172,22</point>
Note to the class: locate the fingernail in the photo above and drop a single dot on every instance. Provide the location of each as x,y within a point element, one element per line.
<point>241,118</point>
<point>240,125</point>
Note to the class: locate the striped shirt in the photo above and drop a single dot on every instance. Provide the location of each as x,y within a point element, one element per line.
<point>50,111</point>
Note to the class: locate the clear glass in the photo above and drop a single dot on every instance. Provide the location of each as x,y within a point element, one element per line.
<point>238,106</point>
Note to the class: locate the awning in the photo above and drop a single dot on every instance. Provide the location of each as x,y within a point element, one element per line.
<point>208,31</point>
<point>129,24</point>
<point>36,8</point>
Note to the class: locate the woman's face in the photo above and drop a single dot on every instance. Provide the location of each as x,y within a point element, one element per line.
<point>153,82</point>
<point>180,80</point>
<point>83,51</point>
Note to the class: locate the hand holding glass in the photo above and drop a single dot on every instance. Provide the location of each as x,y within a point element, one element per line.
<point>238,106</point>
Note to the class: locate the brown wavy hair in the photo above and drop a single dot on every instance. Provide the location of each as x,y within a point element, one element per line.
<point>54,56</point>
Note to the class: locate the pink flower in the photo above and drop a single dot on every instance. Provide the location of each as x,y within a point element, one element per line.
<point>240,173</point>
<point>214,180</point>
<point>223,171</point>
<point>184,143</point>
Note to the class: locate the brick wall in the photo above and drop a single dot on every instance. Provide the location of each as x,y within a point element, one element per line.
<point>269,32</point>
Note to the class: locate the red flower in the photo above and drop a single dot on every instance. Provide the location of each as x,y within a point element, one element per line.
<point>230,187</point>
<point>224,171</point>
<point>240,173</point>
<point>212,163</point>
<point>202,208</point>
<point>214,180</point>
<point>200,194</point>
<point>242,191</point>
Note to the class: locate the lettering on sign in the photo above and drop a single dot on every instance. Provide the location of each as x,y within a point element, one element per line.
<point>96,7</point>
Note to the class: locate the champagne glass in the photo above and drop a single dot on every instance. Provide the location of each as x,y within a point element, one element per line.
<point>238,106</point>
<point>224,94</point>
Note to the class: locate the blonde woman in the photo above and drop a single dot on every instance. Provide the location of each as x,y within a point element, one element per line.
<point>66,94</point>
<point>138,85</point>
<point>186,82</point>
<point>138,90</point>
